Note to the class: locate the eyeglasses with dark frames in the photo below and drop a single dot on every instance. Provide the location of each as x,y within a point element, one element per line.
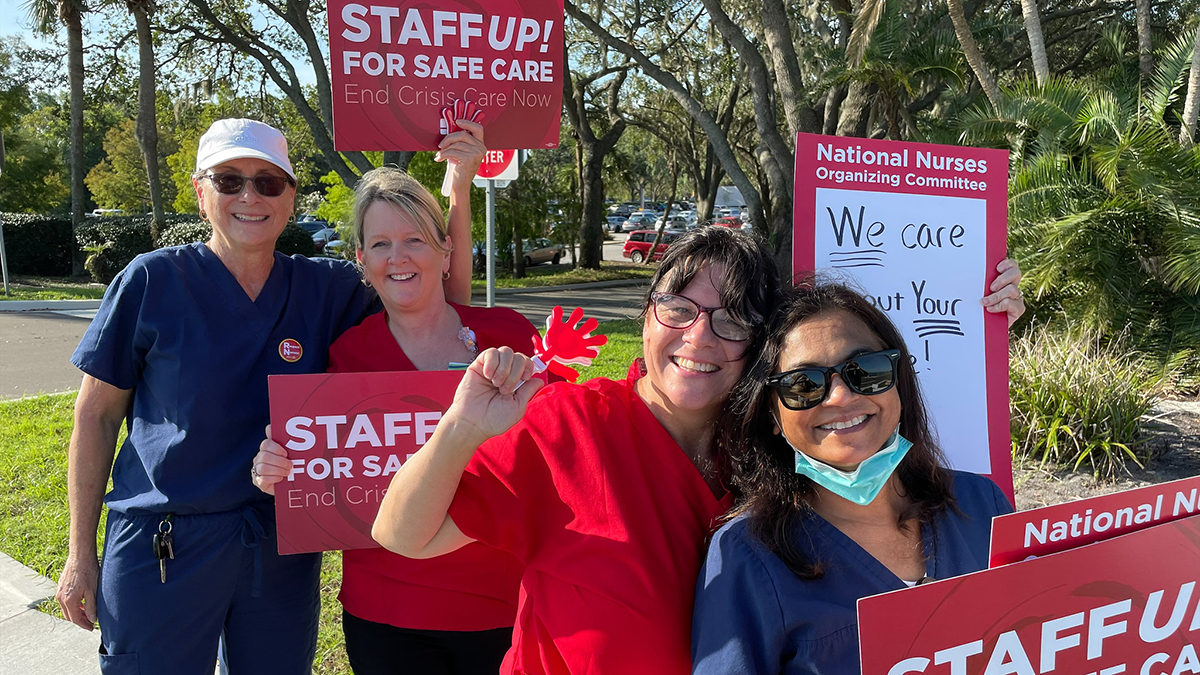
<point>866,374</point>
<point>681,312</point>
<point>266,184</point>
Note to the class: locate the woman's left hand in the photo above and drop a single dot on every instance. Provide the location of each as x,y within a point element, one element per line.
<point>465,150</point>
<point>1006,296</point>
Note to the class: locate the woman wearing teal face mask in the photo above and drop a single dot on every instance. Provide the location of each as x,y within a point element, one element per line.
<point>844,490</point>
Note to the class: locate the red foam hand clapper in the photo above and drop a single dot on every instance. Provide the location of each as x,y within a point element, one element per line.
<point>567,343</point>
<point>461,110</point>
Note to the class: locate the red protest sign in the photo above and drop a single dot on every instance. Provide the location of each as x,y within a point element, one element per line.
<point>1050,529</point>
<point>920,228</point>
<point>396,64</point>
<point>1125,605</point>
<point>347,434</point>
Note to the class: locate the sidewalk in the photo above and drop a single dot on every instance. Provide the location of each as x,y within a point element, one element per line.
<point>33,643</point>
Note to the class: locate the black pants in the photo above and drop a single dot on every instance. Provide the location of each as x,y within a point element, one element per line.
<point>379,649</point>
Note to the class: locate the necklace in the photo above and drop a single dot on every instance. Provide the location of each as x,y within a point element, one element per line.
<point>468,339</point>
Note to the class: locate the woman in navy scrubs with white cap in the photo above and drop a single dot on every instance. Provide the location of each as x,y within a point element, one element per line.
<point>180,350</point>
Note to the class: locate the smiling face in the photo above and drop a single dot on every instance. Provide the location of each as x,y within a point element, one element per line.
<point>399,261</point>
<point>846,428</point>
<point>247,220</point>
<point>690,371</point>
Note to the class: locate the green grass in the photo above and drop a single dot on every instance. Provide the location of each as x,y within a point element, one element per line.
<point>559,275</point>
<point>50,288</point>
<point>34,518</point>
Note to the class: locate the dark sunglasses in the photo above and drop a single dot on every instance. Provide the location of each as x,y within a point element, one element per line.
<point>867,374</point>
<point>267,185</point>
<point>677,311</point>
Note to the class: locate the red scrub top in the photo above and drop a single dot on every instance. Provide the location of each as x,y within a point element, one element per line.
<point>610,518</point>
<point>471,589</point>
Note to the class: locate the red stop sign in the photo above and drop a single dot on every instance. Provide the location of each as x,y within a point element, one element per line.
<point>495,162</point>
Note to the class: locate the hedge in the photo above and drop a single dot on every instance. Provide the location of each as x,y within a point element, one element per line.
<point>37,244</point>
<point>41,244</point>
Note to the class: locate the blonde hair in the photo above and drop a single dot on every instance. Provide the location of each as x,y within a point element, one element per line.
<point>391,185</point>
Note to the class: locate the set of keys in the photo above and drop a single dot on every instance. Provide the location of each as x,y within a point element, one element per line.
<point>164,546</point>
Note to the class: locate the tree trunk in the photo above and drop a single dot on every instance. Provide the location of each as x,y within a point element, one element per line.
<point>974,55</point>
<point>666,213</point>
<point>853,117</point>
<point>716,135</point>
<point>147,117</point>
<point>1145,57</point>
<point>778,32</point>
<point>398,158</point>
<point>74,22</point>
<point>591,153</point>
<point>1037,44</point>
<point>518,255</point>
<point>1191,105</point>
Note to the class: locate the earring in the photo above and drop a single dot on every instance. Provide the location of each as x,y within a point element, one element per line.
<point>445,275</point>
<point>203,215</point>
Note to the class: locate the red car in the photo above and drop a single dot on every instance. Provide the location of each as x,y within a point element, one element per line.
<point>732,222</point>
<point>637,246</point>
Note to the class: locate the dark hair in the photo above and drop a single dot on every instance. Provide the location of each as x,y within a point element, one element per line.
<point>748,285</point>
<point>774,496</point>
<point>749,281</point>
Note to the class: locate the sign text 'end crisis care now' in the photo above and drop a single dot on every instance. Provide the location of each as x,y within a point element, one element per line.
<point>397,64</point>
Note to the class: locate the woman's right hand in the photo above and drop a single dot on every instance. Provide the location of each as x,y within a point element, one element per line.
<point>271,464</point>
<point>487,400</point>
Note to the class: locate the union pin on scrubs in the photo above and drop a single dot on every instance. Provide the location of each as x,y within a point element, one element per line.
<point>177,328</point>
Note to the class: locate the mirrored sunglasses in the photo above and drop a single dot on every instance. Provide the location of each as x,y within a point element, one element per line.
<point>867,374</point>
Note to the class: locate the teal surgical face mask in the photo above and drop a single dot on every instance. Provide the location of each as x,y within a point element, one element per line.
<point>863,484</point>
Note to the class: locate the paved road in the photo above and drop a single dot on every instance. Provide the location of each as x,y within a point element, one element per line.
<point>35,353</point>
<point>35,347</point>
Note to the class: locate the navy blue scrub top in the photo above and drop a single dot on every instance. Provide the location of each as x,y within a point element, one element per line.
<point>754,615</point>
<point>177,328</point>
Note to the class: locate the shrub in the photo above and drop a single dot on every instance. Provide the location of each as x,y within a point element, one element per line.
<point>37,244</point>
<point>1076,401</point>
<point>113,242</point>
<point>293,240</point>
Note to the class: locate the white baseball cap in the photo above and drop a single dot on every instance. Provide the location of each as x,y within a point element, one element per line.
<point>240,139</point>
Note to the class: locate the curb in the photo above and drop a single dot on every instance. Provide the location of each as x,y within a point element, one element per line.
<point>615,283</point>
<point>21,585</point>
<point>46,305</point>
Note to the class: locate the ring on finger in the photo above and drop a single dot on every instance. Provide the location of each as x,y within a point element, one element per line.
<point>254,471</point>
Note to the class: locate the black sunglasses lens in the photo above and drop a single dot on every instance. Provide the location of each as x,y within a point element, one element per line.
<point>270,186</point>
<point>227,183</point>
<point>870,373</point>
<point>803,389</point>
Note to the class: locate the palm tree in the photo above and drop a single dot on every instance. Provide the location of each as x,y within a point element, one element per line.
<point>1145,58</point>
<point>971,50</point>
<point>1037,44</point>
<point>1191,105</point>
<point>147,118</point>
<point>46,16</point>
<point>1105,203</point>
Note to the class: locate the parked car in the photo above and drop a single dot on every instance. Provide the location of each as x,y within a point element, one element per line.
<point>540,250</point>
<point>335,248</point>
<point>637,223</point>
<point>324,236</point>
<point>615,222</point>
<point>677,221</point>
<point>310,223</point>
<point>637,246</point>
<point>728,221</point>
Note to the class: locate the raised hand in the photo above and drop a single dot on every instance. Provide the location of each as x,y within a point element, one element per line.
<point>463,148</point>
<point>487,399</point>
